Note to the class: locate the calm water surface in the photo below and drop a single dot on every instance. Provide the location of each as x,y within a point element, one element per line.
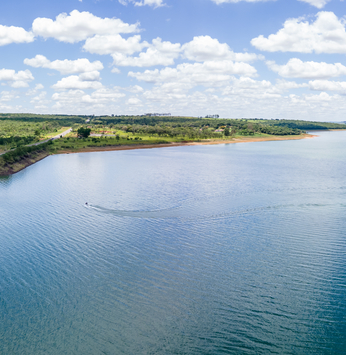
<point>227,249</point>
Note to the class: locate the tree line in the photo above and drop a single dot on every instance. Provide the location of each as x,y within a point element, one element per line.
<point>23,152</point>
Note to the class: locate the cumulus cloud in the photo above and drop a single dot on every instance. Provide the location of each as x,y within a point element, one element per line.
<point>35,90</point>
<point>200,49</point>
<point>39,87</point>
<point>67,99</point>
<point>15,79</point>
<point>110,44</point>
<point>158,53</point>
<point>259,89</point>
<point>326,35</point>
<point>134,101</point>
<point>78,26</point>
<point>103,96</point>
<point>7,96</point>
<point>65,67</point>
<point>171,90</point>
<point>207,73</point>
<point>295,68</point>
<point>326,85</point>
<point>154,3</point>
<point>285,85</point>
<point>12,34</point>
<point>317,3</point>
<point>323,96</point>
<point>204,48</point>
<point>102,99</point>
<point>74,82</point>
<point>90,76</point>
<point>39,98</point>
<point>136,89</point>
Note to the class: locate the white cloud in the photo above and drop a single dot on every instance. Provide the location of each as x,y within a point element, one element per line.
<point>242,97</point>
<point>103,96</point>
<point>34,90</point>
<point>114,44</point>
<point>154,3</point>
<point>259,89</point>
<point>136,89</point>
<point>90,76</point>
<point>103,100</point>
<point>326,35</point>
<point>64,66</point>
<point>326,85</point>
<point>203,48</point>
<point>190,75</point>
<point>295,68</point>
<point>176,90</point>
<point>134,101</point>
<point>15,79</point>
<point>158,53</point>
<point>323,96</point>
<point>78,26</point>
<point>67,99</point>
<point>12,34</point>
<point>7,96</point>
<point>39,98</point>
<point>74,82</point>
<point>284,85</point>
<point>317,3</point>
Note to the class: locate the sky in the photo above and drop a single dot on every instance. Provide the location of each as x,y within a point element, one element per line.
<point>235,58</point>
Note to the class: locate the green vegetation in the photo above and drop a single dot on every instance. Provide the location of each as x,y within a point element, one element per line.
<point>19,130</point>
<point>21,157</point>
<point>192,128</point>
<point>83,132</point>
<point>16,154</point>
<point>302,125</point>
<point>16,133</point>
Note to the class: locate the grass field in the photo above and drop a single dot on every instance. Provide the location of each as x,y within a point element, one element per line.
<point>55,133</point>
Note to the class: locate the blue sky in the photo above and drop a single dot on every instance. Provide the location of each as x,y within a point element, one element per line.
<point>235,58</point>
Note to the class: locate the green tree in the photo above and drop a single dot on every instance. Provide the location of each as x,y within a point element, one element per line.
<point>226,132</point>
<point>83,132</point>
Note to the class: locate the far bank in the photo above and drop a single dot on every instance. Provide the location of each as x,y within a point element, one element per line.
<point>11,168</point>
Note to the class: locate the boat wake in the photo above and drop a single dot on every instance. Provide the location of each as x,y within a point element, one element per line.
<point>221,206</point>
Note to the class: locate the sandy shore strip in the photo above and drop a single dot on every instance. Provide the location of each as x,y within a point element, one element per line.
<point>181,144</point>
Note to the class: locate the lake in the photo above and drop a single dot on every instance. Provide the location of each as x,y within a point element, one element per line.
<point>219,249</point>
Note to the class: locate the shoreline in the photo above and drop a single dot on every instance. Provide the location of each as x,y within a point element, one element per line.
<point>21,165</point>
<point>181,144</point>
